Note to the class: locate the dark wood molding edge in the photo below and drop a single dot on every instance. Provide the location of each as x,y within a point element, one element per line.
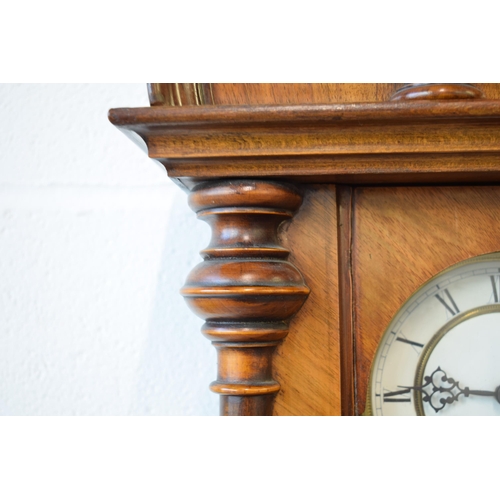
<point>245,289</point>
<point>347,362</point>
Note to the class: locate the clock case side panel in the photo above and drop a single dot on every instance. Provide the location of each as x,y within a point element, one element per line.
<point>403,236</point>
<point>307,363</point>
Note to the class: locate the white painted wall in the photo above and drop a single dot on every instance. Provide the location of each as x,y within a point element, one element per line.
<point>95,242</point>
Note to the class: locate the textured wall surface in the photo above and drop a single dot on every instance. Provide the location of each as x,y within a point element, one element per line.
<point>95,242</point>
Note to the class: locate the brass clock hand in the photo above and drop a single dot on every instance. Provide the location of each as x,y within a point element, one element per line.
<point>431,390</point>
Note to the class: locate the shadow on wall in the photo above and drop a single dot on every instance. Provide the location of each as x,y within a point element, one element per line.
<point>178,363</point>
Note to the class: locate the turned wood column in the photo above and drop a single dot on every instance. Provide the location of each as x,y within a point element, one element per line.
<point>245,289</point>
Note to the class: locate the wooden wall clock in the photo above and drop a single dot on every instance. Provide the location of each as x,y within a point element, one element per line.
<point>352,267</point>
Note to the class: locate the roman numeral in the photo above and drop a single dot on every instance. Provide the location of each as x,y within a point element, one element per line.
<point>394,396</point>
<point>453,308</point>
<point>494,284</point>
<point>411,342</point>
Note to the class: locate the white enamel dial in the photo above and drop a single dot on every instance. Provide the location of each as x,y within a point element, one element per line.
<point>440,355</point>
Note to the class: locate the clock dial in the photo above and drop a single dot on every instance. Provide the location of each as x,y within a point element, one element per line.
<point>439,355</point>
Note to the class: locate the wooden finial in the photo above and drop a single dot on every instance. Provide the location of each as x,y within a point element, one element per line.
<point>245,289</point>
<point>437,91</point>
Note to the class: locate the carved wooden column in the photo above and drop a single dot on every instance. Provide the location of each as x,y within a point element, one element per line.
<point>245,288</point>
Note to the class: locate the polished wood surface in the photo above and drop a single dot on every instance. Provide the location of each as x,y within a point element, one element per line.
<point>307,362</point>
<point>437,91</point>
<point>245,289</point>
<point>301,93</point>
<point>221,94</point>
<point>402,236</point>
<point>231,94</point>
<point>346,331</point>
<point>399,142</point>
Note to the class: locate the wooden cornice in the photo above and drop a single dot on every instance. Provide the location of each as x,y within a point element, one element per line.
<point>456,141</point>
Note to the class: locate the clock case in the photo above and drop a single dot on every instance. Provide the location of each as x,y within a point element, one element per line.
<point>325,218</point>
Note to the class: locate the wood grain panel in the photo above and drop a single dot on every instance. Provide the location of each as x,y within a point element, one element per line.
<point>199,94</point>
<point>307,363</point>
<point>402,236</point>
<point>490,90</point>
<point>301,93</point>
